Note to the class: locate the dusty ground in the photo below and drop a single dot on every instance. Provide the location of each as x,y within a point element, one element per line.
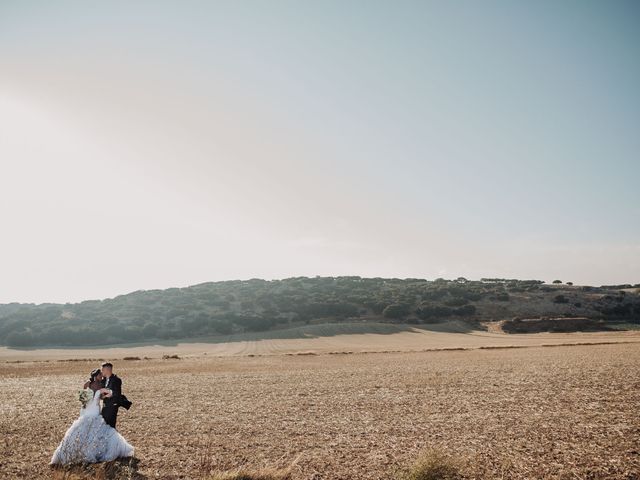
<point>539,412</point>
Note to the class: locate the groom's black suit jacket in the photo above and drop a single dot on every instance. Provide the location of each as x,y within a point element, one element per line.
<point>115,385</point>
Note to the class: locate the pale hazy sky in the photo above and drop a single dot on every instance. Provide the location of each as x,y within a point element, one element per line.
<point>156,144</point>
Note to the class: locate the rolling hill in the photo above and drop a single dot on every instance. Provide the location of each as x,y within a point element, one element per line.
<point>241,306</point>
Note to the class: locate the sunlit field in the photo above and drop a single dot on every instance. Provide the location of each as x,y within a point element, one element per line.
<point>565,412</point>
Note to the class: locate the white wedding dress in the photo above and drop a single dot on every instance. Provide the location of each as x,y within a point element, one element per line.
<point>90,440</point>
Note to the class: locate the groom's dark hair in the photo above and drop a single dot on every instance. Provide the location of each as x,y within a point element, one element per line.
<point>107,364</point>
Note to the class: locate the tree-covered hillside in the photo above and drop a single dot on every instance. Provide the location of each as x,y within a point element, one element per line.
<point>221,308</point>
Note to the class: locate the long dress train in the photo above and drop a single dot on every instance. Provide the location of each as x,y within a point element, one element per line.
<point>90,440</point>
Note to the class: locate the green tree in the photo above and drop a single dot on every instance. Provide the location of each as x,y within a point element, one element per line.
<point>396,310</point>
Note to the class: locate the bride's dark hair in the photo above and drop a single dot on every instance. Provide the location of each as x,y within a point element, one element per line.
<point>94,374</point>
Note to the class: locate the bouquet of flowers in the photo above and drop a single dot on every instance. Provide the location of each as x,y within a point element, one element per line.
<point>85,396</point>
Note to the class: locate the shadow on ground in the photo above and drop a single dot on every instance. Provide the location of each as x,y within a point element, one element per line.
<point>120,469</point>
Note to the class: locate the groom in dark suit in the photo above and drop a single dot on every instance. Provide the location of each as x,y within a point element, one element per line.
<point>112,402</point>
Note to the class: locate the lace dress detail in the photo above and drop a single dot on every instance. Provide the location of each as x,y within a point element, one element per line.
<point>90,440</point>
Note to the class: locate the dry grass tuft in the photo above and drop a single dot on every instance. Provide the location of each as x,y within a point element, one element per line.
<point>433,464</point>
<point>266,473</point>
<point>262,474</point>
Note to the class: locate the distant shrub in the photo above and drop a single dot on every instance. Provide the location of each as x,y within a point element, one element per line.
<point>430,312</point>
<point>435,294</point>
<point>456,302</point>
<point>558,324</point>
<point>502,297</point>
<point>224,328</point>
<point>396,310</point>
<point>376,307</point>
<point>560,299</point>
<point>466,310</point>
<point>253,323</point>
<point>19,339</point>
<point>617,287</point>
<point>330,309</point>
<point>557,281</point>
<point>618,311</point>
<point>150,330</point>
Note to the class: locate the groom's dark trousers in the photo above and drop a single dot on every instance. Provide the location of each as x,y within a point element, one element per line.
<point>111,405</point>
<point>110,415</point>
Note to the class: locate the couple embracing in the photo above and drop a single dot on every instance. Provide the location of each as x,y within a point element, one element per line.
<point>93,437</point>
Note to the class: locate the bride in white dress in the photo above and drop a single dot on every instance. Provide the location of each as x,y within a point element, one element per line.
<point>89,439</point>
